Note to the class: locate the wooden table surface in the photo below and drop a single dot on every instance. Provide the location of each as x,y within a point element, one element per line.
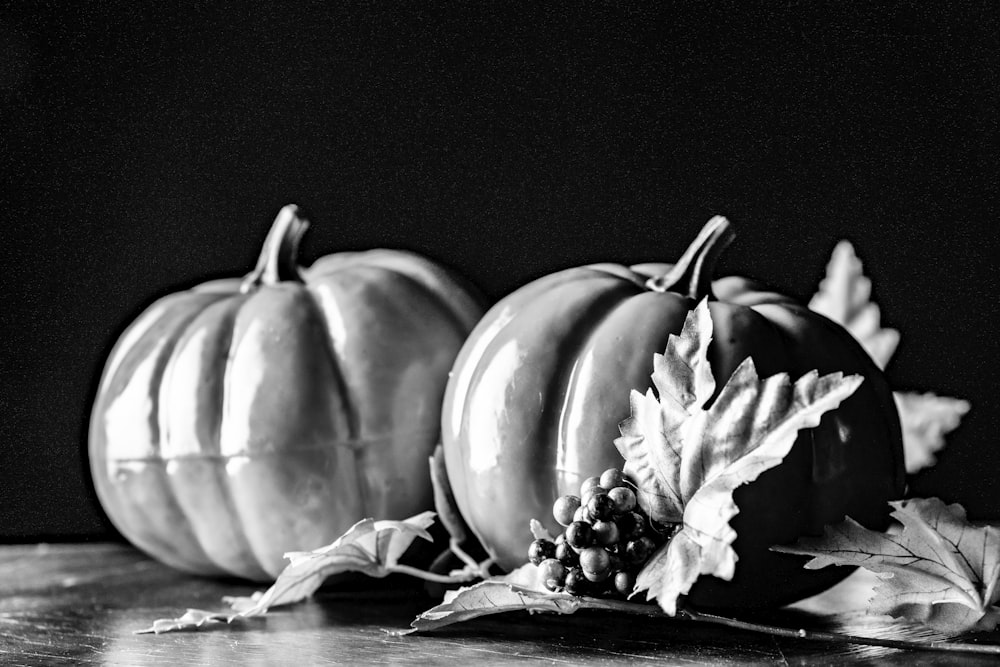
<point>82,603</point>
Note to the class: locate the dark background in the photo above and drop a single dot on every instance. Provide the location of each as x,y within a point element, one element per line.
<point>146,150</point>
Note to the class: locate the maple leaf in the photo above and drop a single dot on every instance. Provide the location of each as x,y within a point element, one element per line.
<point>492,597</point>
<point>501,595</point>
<point>844,296</point>
<point>926,419</point>
<point>687,458</point>
<point>370,547</point>
<point>939,569</point>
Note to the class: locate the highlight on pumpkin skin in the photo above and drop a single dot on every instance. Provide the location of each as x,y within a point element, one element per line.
<point>247,417</point>
<point>541,384</point>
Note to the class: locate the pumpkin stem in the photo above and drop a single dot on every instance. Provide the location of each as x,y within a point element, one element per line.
<point>279,257</point>
<point>692,274</point>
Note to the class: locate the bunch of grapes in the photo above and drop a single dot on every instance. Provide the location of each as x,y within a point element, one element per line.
<point>606,541</point>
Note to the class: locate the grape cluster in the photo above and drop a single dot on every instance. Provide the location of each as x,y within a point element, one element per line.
<point>606,541</point>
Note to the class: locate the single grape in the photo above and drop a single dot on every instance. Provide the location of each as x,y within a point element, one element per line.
<point>612,478</point>
<point>624,583</point>
<point>606,533</point>
<point>564,508</point>
<point>600,507</point>
<point>581,514</point>
<point>623,498</point>
<point>638,551</point>
<point>561,538</point>
<point>590,493</point>
<point>566,555</point>
<point>588,484</point>
<point>579,534</point>
<point>595,563</point>
<point>541,549</point>
<point>575,582</point>
<point>551,570</point>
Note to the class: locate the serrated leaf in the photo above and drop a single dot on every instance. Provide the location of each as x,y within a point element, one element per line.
<point>497,596</point>
<point>369,547</point>
<point>844,296</point>
<point>492,597</point>
<point>682,375</point>
<point>926,419</point>
<point>939,569</point>
<point>652,458</point>
<point>686,459</point>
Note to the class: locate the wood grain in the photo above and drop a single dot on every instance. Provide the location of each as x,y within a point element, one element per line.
<point>81,604</point>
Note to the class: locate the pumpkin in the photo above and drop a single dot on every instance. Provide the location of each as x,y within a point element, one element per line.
<point>243,419</point>
<point>540,387</point>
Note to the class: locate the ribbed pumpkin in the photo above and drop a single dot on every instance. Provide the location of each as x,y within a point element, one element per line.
<point>242,419</point>
<point>542,383</point>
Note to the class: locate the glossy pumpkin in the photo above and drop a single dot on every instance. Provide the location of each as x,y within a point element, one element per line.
<point>242,419</point>
<point>541,385</point>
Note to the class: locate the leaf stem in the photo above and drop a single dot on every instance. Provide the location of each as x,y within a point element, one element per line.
<point>834,637</point>
<point>483,569</point>
<point>462,578</point>
<point>623,607</point>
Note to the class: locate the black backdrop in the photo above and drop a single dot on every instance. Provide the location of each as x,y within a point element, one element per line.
<point>146,150</point>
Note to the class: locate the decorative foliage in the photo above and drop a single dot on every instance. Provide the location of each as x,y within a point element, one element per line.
<point>370,547</point>
<point>687,446</point>
<point>496,596</point>
<point>844,296</point>
<point>938,570</point>
<point>926,419</point>
<point>686,458</point>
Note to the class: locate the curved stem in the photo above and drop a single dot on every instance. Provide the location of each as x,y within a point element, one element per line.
<point>470,563</point>
<point>463,578</point>
<point>836,637</point>
<point>692,275</point>
<point>279,256</point>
